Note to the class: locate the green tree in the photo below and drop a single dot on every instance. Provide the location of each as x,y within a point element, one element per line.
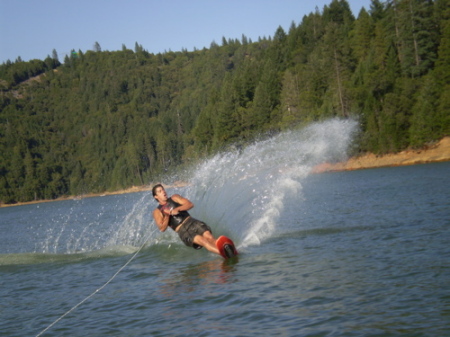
<point>424,113</point>
<point>97,47</point>
<point>362,35</point>
<point>416,38</point>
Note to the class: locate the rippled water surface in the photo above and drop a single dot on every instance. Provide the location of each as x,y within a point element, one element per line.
<point>363,253</point>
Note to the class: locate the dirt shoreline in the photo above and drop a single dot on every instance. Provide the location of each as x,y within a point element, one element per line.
<point>438,152</point>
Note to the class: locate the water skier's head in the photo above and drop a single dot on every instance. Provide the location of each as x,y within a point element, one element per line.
<point>159,193</point>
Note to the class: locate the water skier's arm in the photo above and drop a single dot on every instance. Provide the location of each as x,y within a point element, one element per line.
<point>185,204</point>
<point>161,220</point>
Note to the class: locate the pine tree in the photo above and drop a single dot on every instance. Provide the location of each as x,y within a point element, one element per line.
<point>362,35</point>
<point>415,35</point>
<point>97,47</point>
<point>424,113</point>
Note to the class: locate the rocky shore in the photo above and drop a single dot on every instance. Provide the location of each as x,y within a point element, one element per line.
<point>438,152</point>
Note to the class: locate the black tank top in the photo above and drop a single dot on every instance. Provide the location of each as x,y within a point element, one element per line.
<point>174,220</point>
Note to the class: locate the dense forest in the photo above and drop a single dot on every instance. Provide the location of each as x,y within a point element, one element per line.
<point>107,120</point>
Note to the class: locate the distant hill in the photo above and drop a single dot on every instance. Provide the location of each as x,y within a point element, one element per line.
<point>108,120</point>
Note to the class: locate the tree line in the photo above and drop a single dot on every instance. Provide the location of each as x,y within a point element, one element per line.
<point>107,120</point>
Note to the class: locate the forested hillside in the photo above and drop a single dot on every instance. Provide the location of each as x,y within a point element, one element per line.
<point>106,120</point>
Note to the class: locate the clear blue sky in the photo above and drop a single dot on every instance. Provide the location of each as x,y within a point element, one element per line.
<point>31,29</point>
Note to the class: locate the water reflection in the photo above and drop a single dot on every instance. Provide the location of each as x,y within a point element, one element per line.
<point>193,280</point>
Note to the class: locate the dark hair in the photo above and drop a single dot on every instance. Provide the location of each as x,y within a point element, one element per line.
<point>155,187</point>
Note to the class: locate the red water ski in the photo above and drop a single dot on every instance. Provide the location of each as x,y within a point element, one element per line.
<point>226,247</point>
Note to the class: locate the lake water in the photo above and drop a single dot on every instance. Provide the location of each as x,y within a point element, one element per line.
<point>362,253</point>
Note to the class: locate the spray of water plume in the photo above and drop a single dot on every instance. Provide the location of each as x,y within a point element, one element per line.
<point>243,191</point>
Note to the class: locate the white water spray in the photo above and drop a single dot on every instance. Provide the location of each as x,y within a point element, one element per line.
<point>242,192</point>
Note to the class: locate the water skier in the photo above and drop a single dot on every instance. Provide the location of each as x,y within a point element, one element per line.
<point>172,212</point>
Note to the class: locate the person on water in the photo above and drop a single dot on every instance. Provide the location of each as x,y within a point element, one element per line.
<point>173,212</point>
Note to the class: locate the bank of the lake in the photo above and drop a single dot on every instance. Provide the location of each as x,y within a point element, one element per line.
<point>438,152</point>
